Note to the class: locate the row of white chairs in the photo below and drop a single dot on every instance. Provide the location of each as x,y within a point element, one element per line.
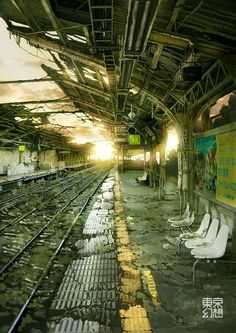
<point>182,222</point>
<point>206,243</point>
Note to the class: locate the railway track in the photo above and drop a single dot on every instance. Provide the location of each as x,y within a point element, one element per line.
<point>11,202</point>
<point>40,205</point>
<point>27,264</point>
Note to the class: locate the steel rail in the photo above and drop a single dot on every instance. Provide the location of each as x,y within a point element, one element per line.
<point>19,253</point>
<point>67,178</point>
<point>21,313</point>
<point>40,206</point>
<point>19,196</point>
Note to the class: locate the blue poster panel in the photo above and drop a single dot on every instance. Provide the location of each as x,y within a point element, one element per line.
<point>205,164</point>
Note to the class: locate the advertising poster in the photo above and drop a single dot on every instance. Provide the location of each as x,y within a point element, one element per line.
<point>226,168</point>
<point>205,164</point>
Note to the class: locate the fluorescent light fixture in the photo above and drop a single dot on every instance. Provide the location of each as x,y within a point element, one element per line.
<point>134,90</point>
<point>52,34</point>
<point>88,76</point>
<point>105,78</point>
<point>102,72</point>
<point>86,69</point>
<point>77,38</point>
<point>17,24</point>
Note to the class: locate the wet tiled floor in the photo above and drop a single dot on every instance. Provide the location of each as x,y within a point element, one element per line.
<point>181,307</point>
<point>87,299</point>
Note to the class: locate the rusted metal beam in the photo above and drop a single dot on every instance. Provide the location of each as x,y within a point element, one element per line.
<point>212,51</point>
<point>157,37</point>
<point>171,23</point>
<point>87,88</point>
<point>57,100</point>
<point>61,33</point>
<point>86,114</point>
<point>91,105</point>
<point>26,14</point>
<point>63,100</point>
<point>80,17</point>
<point>56,24</point>
<point>55,47</point>
<point>63,37</point>
<point>60,78</point>
<point>26,81</point>
<point>213,99</point>
<point>167,111</point>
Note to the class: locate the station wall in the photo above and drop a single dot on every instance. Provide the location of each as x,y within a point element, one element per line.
<point>215,173</point>
<point>14,162</point>
<point>215,165</point>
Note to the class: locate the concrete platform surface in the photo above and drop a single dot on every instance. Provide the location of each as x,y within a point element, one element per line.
<point>181,309</point>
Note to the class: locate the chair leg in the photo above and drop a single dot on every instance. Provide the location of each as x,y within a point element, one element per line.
<point>169,230</point>
<point>189,229</point>
<point>182,230</point>
<point>194,267</point>
<point>179,246</point>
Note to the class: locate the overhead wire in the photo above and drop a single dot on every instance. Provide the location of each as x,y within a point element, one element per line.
<point>190,14</point>
<point>34,55</point>
<point>46,59</point>
<point>58,29</point>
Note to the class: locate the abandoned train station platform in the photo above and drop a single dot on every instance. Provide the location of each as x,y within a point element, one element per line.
<point>117,166</point>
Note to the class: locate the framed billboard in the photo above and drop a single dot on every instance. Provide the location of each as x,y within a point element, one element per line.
<point>215,166</point>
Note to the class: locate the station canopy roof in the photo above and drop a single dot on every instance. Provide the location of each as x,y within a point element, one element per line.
<point>131,62</point>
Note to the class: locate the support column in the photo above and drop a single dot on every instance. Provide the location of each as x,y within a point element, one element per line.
<point>122,154</point>
<point>144,158</point>
<point>153,166</point>
<point>162,171</point>
<point>186,164</point>
<point>190,166</point>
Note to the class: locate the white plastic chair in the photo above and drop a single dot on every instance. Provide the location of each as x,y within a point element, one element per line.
<point>186,223</point>
<point>182,217</point>
<point>143,178</point>
<point>208,240</point>
<point>200,233</point>
<point>215,251</point>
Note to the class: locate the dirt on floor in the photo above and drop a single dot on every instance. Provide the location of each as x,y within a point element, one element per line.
<point>181,308</point>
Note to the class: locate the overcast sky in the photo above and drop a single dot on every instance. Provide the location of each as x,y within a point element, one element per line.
<point>17,64</point>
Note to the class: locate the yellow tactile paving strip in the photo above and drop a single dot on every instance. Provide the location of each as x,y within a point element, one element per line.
<point>121,232</point>
<point>135,318</point>
<point>130,283</point>
<point>124,254</point>
<point>152,287</point>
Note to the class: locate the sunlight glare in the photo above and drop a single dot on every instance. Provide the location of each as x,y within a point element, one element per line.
<point>80,140</point>
<point>104,150</point>
<point>172,141</point>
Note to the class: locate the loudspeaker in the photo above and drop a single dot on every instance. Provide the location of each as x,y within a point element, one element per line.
<point>131,130</point>
<point>192,73</point>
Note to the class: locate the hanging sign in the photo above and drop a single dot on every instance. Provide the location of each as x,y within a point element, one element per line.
<point>134,139</point>
<point>21,148</point>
